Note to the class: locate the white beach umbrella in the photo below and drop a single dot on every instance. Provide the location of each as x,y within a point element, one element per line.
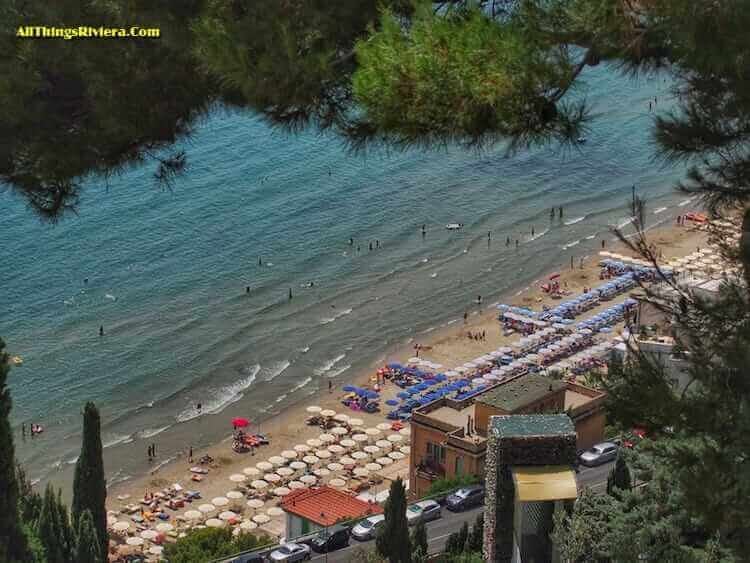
<point>237,478</point>
<point>248,525</point>
<point>298,465</point>
<point>259,484</point>
<point>396,455</point>
<point>372,450</point>
<point>122,526</point>
<point>156,550</point>
<point>289,454</point>
<point>228,515</point>
<point>347,460</point>
<point>277,460</point>
<point>164,527</point>
<point>327,438</point>
<point>328,413</point>
<point>338,483</point>
<point>414,360</point>
<point>395,438</point>
<point>361,471</point>
<point>322,472</point>
<point>383,444</point>
<point>264,466</point>
<point>382,496</point>
<point>354,422</point>
<point>384,461</point>
<point>384,426</point>
<point>235,495</point>
<point>281,491</point>
<point>314,442</point>
<point>451,373</point>
<point>193,515</point>
<point>339,431</point>
<point>275,511</point>
<point>149,534</point>
<point>335,467</point>
<point>307,479</point>
<point>313,409</point>
<point>336,449</point>
<point>347,443</point>
<point>360,456</point>
<point>360,438</point>
<point>272,478</point>
<point>251,471</point>
<point>206,508</point>
<point>373,466</point>
<point>301,448</point>
<point>214,523</point>
<point>135,541</point>
<point>255,503</point>
<point>285,471</point>
<point>406,450</point>
<point>341,417</point>
<point>460,369</point>
<point>373,432</point>
<point>296,485</point>
<point>323,454</point>
<point>310,459</point>
<point>470,365</point>
<point>220,501</point>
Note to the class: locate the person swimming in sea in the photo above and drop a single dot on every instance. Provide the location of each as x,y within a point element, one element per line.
<point>101,330</point>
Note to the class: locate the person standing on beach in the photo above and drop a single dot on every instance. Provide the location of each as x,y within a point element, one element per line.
<point>561,212</point>
<point>247,290</point>
<point>23,430</point>
<point>603,241</point>
<point>351,241</point>
<point>516,243</point>
<point>290,294</point>
<point>260,261</point>
<point>552,213</point>
<point>532,231</point>
<point>377,243</point>
<point>371,245</point>
<point>153,449</point>
<point>190,454</point>
<point>507,241</point>
<point>466,317</point>
<point>330,386</point>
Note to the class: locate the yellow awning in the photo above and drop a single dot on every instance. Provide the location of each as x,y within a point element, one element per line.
<point>544,482</point>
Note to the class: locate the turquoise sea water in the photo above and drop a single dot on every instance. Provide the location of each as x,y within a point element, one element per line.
<point>167,270</point>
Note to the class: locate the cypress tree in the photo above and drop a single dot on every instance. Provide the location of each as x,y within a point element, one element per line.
<point>88,546</point>
<point>393,540</point>
<point>476,537</point>
<point>89,485</point>
<point>619,477</point>
<point>49,528</point>
<point>13,544</point>
<point>419,540</point>
<point>65,530</point>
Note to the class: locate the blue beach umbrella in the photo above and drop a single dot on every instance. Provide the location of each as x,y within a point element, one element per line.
<point>403,395</point>
<point>395,366</point>
<point>350,388</point>
<point>392,402</point>
<point>371,394</point>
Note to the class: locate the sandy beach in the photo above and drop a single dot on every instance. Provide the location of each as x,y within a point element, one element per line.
<point>449,346</point>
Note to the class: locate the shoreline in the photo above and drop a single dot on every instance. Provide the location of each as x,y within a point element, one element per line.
<point>446,344</point>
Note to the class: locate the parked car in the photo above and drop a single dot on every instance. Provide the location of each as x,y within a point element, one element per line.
<point>426,511</point>
<point>599,454</point>
<point>367,528</point>
<point>465,497</point>
<point>335,537</point>
<point>291,552</point>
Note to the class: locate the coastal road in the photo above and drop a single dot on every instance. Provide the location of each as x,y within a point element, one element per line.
<point>439,530</point>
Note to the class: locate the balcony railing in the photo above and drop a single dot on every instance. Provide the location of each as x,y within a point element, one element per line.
<point>430,469</point>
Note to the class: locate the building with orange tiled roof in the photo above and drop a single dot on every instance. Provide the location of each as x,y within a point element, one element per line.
<point>309,510</point>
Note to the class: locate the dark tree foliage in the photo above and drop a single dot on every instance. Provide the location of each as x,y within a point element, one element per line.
<point>456,542</point>
<point>53,529</point>
<point>12,539</point>
<point>393,540</point>
<point>619,478</point>
<point>30,502</point>
<point>419,539</point>
<point>210,544</point>
<point>87,544</point>
<point>476,536</point>
<point>89,485</point>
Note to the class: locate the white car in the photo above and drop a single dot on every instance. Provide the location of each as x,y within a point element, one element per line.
<point>426,510</point>
<point>291,552</point>
<point>368,527</point>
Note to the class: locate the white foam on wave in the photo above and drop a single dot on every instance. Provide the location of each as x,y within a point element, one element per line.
<point>325,321</point>
<point>660,210</point>
<point>71,461</point>
<point>224,397</point>
<point>339,371</point>
<point>590,236</point>
<point>301,384</point>
<point>625,221</point>
<point>328,366</point>
<point>571,244</point>
<point>117,439</point>
<point>685,202</point>
<point>162,464</point>
<point>574,221</point>
<point>110,296</point>
<point>151,432</point>
<point>278,370</point>
<point>451,322</point>
<point>70,301</point>
<point>539,235</point>
<point>305,350</point>
<point>281,398</point>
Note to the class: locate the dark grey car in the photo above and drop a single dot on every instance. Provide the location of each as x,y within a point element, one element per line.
<point>465,497</point>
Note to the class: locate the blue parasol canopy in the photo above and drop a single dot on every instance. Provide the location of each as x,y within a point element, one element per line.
<point>403,395</point>
<point>395,366</point>
<point>392,402</point>
<point>351,389</point>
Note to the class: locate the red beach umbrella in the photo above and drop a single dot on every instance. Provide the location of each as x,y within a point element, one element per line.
<point>240,422</point>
